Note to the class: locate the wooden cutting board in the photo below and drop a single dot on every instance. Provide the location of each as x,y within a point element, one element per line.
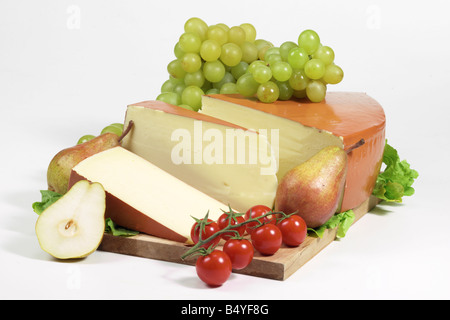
<point>279,266</point>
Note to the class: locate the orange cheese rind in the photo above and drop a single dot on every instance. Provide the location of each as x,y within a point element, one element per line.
<point>351,116</point>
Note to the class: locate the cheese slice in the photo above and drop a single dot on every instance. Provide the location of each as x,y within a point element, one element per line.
<point>232,164</point>
<point>342,119</point>
<point>142,197</point>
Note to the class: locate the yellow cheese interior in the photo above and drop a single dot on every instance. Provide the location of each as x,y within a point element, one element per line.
<point>149,189</point>
<point>297,143</point>
<point>235,166</point>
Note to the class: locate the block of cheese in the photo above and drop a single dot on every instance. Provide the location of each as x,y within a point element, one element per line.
<point>227,162</point>
<point>342,119</point>
<point>143,197</point>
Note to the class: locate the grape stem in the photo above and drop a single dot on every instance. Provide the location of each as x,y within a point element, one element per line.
<point>197,249</point>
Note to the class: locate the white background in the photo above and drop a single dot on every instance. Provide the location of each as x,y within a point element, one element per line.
<point>68,68</point>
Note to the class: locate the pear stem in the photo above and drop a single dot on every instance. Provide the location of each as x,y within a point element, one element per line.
<point>125,132</point>
<point>355,146</point>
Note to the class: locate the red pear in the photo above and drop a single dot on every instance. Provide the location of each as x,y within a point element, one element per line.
<point>314,189</point>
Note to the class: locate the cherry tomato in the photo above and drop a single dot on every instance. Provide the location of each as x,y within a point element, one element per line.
<point>215,268</point>
<point>293,229</point>
<point>267,239</point>
<point>255,212</point>
<point>225,219</point>
<point>211,227</point>
<point>240,252</point>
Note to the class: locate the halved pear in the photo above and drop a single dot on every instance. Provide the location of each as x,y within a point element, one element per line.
<point>74,225</point>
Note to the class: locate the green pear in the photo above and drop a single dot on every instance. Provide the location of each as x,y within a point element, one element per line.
<point>58,172</point>
<point>315,188</point>
<point>73,226</point>
<point>60,167</point>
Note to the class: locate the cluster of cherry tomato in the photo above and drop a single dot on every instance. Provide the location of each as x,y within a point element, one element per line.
<point>267,232</point>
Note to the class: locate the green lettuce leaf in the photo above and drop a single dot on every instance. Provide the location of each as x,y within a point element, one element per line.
<point>397,179</point>
<point>115,230</point>
<point>342,221</point>
<point>48,198</point>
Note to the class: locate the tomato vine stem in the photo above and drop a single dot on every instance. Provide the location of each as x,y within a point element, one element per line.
<point>197,249</point>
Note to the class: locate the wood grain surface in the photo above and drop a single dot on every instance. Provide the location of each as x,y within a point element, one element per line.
<point>279,266</point>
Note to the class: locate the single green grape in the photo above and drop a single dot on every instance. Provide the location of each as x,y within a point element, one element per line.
<point>194,79</point>
<point>333,74</point>
<point>212,91</point>
<point>175,69</point>
<point>268,92</point>
<point>270,51</point>
<point>118,125</point>
<point>196,25</point>
<point>273,58</point>
<point>206,85</point>
<point>314,69</point>
<point>300,94</point>
<point>297,57</point>
<point>223,26</point>
<point>298,80</point>
<point>228,77</point>
<point>252,66</point>
<point>238,70</point>
<point>175,80</point>
<point>309,40</point>
<point>179,87</point>
<point>236,35</point>
<point>324,53</point>
<point>213,71</point>
<point>261,43</point>
<point>218,34</point>
<point>249,52</point>
<point>285,47</point>
<point>231,54</point>
<point>85,138</point>
<point>262,74</point>
<point>170,98</point>
<point>286,90</point>
<point>190,42</point>
<point>250,32</point>
<point>177,51</point>
<point>262,51</point>
<point>185,106</point>
<point>316,91</point>
<point>116,128</point>
<point>210,50</point>
<point>191,62</point>
<point>281,71</point>
<point>167,86</point>
<point>192,96</point>
<point>228,88</point>
<point>246,85</point>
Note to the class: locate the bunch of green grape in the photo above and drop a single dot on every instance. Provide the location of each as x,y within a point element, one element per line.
<point>208,60</point>
<point>302,69</point>
<point>221,59</point>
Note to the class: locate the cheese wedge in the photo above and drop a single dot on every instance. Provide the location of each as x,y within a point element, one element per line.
<point>234,165</point>
<point>142,197</point>
<point>342,119</point>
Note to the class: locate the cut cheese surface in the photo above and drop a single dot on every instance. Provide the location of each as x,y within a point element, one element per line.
<point>142,197</point>
<point>342,119</point>
<point>234,165</point>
